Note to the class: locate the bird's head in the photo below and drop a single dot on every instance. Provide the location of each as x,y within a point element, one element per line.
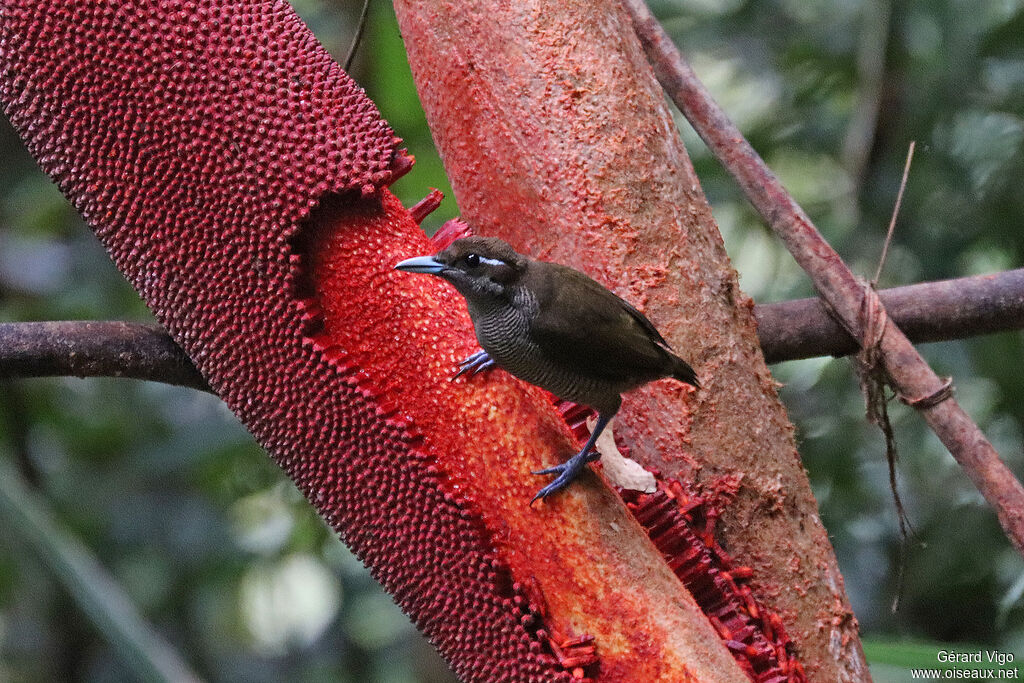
<point>481,268</point>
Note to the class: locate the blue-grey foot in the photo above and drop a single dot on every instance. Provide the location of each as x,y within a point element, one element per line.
<point>478,362</point>
<point>567,472</point>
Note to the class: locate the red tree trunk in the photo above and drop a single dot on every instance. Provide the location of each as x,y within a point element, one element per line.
<point>556,136</point>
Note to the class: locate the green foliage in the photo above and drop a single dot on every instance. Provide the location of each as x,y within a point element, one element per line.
<point>226,561</point>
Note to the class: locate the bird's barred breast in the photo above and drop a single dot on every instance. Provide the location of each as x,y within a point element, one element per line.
<point>505,335</point>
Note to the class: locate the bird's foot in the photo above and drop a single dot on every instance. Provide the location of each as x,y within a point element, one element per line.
<point>567,472</point>
<point>478,362</point>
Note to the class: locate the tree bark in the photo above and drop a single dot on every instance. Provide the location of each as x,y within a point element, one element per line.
<point>849,297</point>
<point>926,312</point>
<point>556,137</point>
<point>95,349</point>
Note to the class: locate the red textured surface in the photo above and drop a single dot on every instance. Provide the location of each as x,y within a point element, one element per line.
<point>590,591</point>
<point>680,522</point>
<point>673,517</point>
<point>195,137</point>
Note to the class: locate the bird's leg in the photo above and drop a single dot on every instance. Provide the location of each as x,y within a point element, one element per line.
<point>478,362</point>
<point>571,468</point>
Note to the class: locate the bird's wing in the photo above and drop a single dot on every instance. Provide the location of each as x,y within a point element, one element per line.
<point>587,327</point>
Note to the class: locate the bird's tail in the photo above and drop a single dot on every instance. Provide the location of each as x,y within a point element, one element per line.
<point>682,371</point>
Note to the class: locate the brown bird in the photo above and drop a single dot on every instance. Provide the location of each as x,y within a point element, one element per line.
<point>556,328</point>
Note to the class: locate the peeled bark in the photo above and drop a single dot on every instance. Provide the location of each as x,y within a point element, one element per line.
<point>556,137</point>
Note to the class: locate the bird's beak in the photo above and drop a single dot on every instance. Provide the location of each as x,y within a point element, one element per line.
<point>421,264</point>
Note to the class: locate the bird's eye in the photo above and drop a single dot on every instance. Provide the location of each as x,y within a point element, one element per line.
<point>472,260</point>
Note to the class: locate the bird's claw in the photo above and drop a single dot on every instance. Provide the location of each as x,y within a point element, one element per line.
<point>567,473</point>
<point>476,363</point>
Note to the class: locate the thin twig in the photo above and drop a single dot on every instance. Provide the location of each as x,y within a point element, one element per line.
<point>873,381</point>
<point>357,38</point>
<point>844,292</point>
<point>895,213</point>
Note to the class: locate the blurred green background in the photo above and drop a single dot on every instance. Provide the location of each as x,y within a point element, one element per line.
<point>221,556</point>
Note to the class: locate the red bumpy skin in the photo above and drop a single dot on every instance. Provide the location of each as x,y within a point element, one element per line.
<point>194,141</point>
<point>196,137</point>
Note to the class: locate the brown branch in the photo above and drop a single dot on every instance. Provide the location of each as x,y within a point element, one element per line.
<point>790,330</point>
<point>928,312</point>
<point>836,284</point>
<point>95,349</point>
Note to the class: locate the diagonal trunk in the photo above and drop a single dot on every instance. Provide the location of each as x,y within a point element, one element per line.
<point>557,137</point>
